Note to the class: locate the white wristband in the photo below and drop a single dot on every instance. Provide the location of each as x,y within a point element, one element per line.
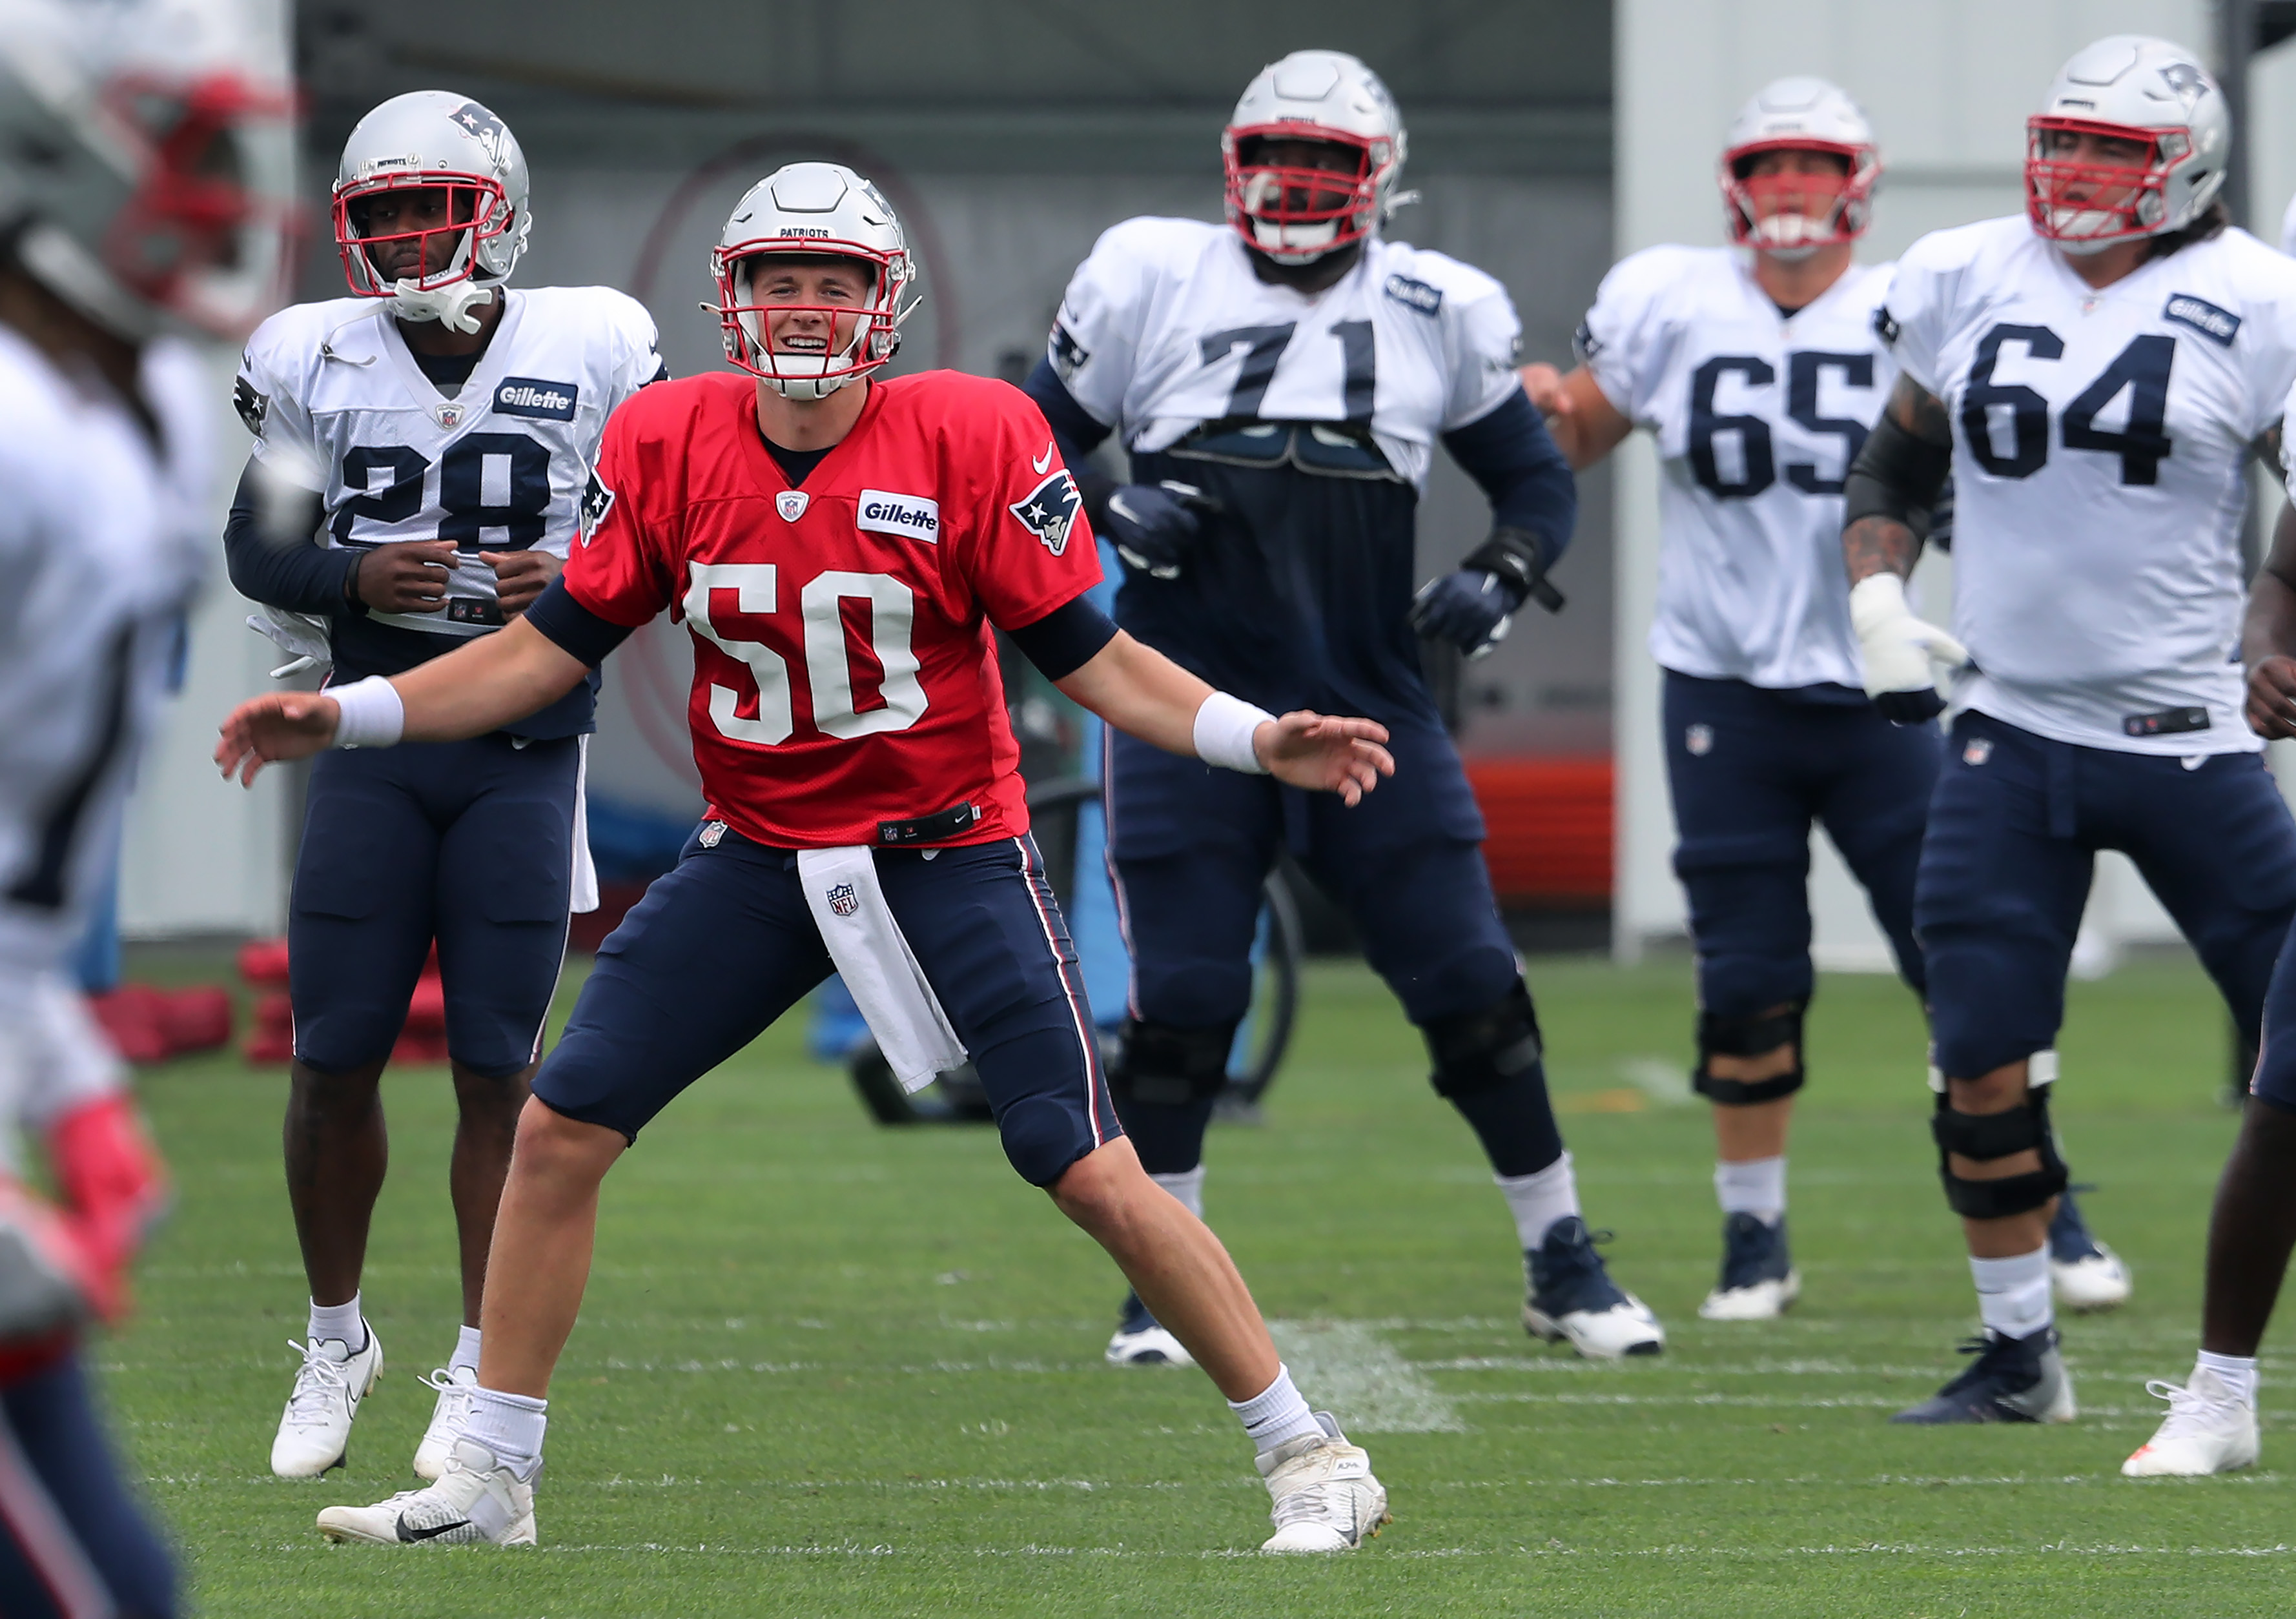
<point>372,715</point>
<point>1225,727</point>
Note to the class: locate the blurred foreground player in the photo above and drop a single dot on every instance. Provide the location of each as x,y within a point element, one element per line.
<point>434,433</point>
<point>2093,375</point>
<point>1760,374</point>
<point>146,164</point>
<point>2211,1426</point>
<point>840,548</point>
<point>1280,383</point>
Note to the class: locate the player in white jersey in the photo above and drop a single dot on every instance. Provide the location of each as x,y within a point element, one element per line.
<point>1280,383</point>
<point>421,450</point>
<point>2094,375</point>
<point>146,156</point>
<point>1757,369</point>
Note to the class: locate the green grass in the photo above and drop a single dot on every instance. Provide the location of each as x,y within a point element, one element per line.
<point>828,1369</point>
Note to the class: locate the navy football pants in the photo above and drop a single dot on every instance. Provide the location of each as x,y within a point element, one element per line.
<point>1749,771</point>
<point>724,944</point>
<point>2012,838</point>
<point>1190,846</point>
<point>469,843</point>
<point>74,1544</point>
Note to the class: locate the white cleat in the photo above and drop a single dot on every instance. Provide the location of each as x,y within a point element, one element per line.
<point>315,1430</point>
<point>1573,1300</point>
<point>1326,1498</point>
<point>1760,1301</point>
<point>2097,1280</point>
<point>476,1501</point>
<point>1153,1347</point>
<point>453,1384</point>
<point>2209,1429</point>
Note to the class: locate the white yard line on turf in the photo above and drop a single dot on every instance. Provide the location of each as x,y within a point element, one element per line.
<point>1666,1084</point>
<point>1720,1554</point>
<point>1347,1369</point>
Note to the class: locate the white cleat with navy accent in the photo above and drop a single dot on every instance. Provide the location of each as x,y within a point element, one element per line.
<point>454,1385</point>
<point>1326,1498</point>
<point>315,1430</point>
<point>476,1501</point>
<point>2209,1429</point>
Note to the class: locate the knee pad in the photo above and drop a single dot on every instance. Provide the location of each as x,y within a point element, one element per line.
<point>1985,1136</point>
<point>1723,1036</point>
<point>1168,1067</point>
<point>1479,1050</point>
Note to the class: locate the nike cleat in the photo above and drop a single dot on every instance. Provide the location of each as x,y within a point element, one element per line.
<point>454,1385</point>
<point>2209,1429</point>
<point>1326,1498</point>
<point>1759,1281</point>
<point>315,1430</point>
<point>1142,1340</point>
<point>476,1501</point>
<point>2086,1275</point>
<point>1573,1299</point>
<point>2011,1380</point>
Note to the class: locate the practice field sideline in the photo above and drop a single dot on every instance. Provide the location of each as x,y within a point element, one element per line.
<point>828,1369</point>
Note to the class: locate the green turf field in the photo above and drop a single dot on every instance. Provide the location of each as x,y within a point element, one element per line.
<point>826,1369</point>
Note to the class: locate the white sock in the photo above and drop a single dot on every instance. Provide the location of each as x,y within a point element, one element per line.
<point>2013,1294</point>
<point>1757,1187</point>
<point>341,1322</point>
<point>2236,1372</point>
<point>1275,1414</point>
<point>510,1425</point>
<point>1538,1200</point>
<point>1188,1186</point>
<point>465,1357</point>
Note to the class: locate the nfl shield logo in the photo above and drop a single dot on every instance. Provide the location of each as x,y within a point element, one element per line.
<point>843,900</point>
<point>449,414</point>
<point>1698,740</point>
<point>791,503</point>
<point>1979,749</point>
<point>712,833</point>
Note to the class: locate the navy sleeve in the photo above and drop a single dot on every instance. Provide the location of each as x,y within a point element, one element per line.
<point>573,627</point>
<point>1064,640</point>
<point>1077,434</point>
<point>275,562</point>
<point>1509,453</point>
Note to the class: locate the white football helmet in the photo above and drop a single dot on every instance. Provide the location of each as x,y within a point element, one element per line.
<point>813,208</point>
<point>147,160</point>
<point>1799,115</point>
<point>2128,88</point>
<point>1295,215</point>
<point>433,140</point>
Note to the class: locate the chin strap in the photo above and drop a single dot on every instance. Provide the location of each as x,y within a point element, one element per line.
<point>455,306</point>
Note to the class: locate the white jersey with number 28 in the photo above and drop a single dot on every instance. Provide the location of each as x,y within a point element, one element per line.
<point>1757,415</point>
<point>2099,442</point>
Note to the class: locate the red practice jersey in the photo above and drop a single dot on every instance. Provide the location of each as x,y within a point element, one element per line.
<point>844,671</point>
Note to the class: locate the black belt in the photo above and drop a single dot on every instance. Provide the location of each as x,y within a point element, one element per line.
<point>2167,722</point>
<point>928,828</point>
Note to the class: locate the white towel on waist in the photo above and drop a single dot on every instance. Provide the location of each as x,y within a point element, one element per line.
<point>878,966</point>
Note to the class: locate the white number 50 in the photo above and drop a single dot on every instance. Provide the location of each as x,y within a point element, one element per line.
<point>828,665</point>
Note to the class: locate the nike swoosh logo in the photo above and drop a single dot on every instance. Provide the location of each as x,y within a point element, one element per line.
<point>1042,463</point>
<point>412,1536</point>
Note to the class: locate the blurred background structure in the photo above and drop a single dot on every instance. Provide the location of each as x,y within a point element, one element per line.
<point>1548,137</point>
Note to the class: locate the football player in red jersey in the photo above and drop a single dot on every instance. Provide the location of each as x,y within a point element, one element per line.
<point>840,548</point>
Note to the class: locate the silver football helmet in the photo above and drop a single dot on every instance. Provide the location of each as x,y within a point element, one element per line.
<point>813,208</point>
<point>1296,215</point>
<point>2130,88</point>
<point>1793,216</point>
<point>437,266</point>
<point>147,160</point>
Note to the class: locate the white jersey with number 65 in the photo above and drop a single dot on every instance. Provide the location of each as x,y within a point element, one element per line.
<point>2099,443</point>
<point>1757,415</point>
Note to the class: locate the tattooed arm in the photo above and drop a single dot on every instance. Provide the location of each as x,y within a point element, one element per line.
<point>1897,475</point>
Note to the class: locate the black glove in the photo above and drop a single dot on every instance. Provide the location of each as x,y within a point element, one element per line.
<point>1468,607</point>
<point>1909,708</point>
<point>1152,526</point>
